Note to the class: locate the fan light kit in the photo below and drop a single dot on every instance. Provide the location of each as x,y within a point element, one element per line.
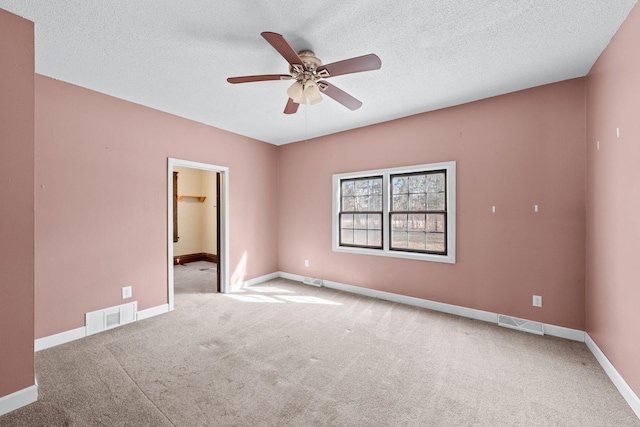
<point>305,89</point>
<point>307,70</point>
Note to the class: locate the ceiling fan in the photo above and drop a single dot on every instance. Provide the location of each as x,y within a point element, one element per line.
<point>307,71</point>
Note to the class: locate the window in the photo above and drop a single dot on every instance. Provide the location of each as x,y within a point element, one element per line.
<point>418,213</point>
<point>361,212</point>
<point>406,212</point>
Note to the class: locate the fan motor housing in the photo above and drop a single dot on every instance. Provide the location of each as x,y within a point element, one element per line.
<point>309,60</point>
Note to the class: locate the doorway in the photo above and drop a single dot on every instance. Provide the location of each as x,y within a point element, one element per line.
<point>217,200</point>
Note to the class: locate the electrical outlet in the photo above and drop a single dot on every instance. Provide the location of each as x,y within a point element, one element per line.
<point>306,263</point>
<point>537,301</point>
<point>126,292</point>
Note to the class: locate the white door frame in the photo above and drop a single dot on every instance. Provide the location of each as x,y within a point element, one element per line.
<point>223,256</point>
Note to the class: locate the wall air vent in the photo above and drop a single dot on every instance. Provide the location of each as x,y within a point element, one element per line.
<point>311,281</point>
<point>521,324</point>
<point>108,318</point>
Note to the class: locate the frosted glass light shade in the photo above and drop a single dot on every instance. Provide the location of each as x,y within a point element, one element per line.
<point>295,92</point>
<point>317,99</point>
<point>312,92</point>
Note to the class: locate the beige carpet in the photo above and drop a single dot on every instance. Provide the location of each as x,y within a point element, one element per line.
<point>195,277</point>
<point>287,354</point>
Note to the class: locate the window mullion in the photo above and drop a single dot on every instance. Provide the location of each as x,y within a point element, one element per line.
<point>386,215</point>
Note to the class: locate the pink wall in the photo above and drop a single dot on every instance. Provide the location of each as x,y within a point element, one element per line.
<point>16,203</point>
<point>512,151</point>
<point>613,201</point>
<point>101,197</point>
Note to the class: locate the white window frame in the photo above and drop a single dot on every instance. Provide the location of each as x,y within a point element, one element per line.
<point>449,258</point>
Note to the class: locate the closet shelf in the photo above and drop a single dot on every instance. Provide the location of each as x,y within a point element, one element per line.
<point>201,198</point>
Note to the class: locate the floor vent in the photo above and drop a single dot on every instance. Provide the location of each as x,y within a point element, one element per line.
<point>521,324</point>
<point>108,318</point>
<point>311,281</point>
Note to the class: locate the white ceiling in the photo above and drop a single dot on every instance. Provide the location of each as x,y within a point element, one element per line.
<point>175,56</point>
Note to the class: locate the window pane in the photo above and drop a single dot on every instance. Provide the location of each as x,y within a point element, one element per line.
<point>441,203</point>
<point>360,237</point>
<point>362,203</point>
<point>399,222</point>
<point>374,222</point>
<point>440,181</point>
<point>419,232</point>
<point>436,182</point>
<point>346,221</point>
<point>417,222</point>
<point>417,202</point>
<point>432,202</point>
<point>400,185</point>
<point>419,192</point>
<point>435,242</point>
<point>417,241</point>
<point>399,239</point>
<point>401,203</point>
<point>360,221</point>
<point>361,230</point>
<point>346,236</point>
<point>375,203</point>
<point>417,184</point>
<point>432,183</point>
<point>361,195</point>
<point>375,238</point>
<point>362,187</point>
<point>348,188</point>
<point>376,186</point>
<point>435,223</point>
<point>348,204</point>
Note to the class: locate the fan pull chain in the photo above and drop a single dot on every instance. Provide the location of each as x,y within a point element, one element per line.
<point>306,129</point>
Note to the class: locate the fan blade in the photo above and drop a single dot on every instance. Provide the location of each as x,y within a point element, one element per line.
<point>261,78</point>
<point>339,95</point>
<point>292,107</point>
<point>353,65</point>
<point>280,44</point>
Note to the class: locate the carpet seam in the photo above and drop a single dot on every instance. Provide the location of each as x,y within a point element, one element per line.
<point>139,388</point>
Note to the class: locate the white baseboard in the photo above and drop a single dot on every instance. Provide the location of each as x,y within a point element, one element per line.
<point>74,334</point>
<point>403,299</point>
<point>153,311</point>
<point>471,313</point>
<point>18,399</point>
<point>417,302</point>
<point>632,399</point>
<point>289,276</point>
<point>562,332</point>
<point>61,338</point>
<point>254,281</point>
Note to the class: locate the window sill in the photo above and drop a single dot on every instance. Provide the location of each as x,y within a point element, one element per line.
<point>447,259</point>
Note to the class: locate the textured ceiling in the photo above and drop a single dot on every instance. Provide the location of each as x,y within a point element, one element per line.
<point>175,56</point>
